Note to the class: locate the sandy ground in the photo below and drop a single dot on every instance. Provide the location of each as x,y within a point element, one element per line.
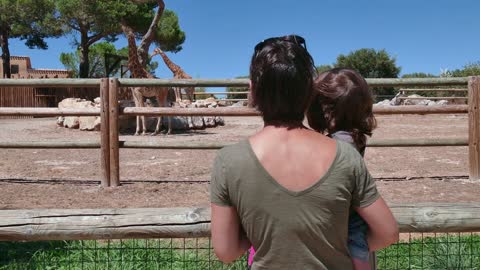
<point>40,178</point>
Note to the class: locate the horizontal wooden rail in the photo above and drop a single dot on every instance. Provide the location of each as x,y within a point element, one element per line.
<point>16,111</point>
<point>83,224</point>
<point>390,82</point>
<point>217,82</point>
<point>88,83</point>
<point>232,99</point>
<point>433,98</point>
<point>160,144</point>
<point>434,90</point>
<point>252,112</point>
<point>415,109</point>
<point>51,144</point>
<point>221,93</point>
<point>412,109</point>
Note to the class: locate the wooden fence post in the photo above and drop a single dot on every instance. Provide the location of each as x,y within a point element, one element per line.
<point>113,123</point>
<point>474,127</point>
<point>104,137</point>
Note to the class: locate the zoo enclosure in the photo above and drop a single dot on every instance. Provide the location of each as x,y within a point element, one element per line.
<point>109,137</point>
<point>54,224</point>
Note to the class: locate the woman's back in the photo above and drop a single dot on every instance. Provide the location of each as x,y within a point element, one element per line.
<point>293,209</point>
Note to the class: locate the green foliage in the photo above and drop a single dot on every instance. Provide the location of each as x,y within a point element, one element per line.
<point>323,68</point>
<point>472,69</point>
<point>371,63</point>
<point>237,89</point>
<point>97,68</point>
<point>94,20</point>
<point>419,75</point>
<point>169,36</point>
<point>113,255</point>
<point>201,96</point>
<point>29,20</point>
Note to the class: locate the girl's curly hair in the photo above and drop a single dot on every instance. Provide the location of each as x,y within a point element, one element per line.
<point>342,102</point>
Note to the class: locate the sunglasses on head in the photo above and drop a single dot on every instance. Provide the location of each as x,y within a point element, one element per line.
<point>291,38</point>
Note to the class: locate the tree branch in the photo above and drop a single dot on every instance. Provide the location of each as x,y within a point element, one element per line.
<point>148,37</point>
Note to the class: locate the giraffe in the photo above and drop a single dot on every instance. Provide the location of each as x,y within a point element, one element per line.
<point>178,73</point>
<point>138,71</point>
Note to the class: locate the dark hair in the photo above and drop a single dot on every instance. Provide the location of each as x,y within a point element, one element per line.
<point>344,102</point>
<point>282,73</point>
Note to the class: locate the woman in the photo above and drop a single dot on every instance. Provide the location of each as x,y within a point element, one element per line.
<point>288,190</point>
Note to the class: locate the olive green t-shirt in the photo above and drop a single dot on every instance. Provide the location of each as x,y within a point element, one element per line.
<point>293,230</point>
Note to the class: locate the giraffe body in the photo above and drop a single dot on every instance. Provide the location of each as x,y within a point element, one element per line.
<point>138,71</point>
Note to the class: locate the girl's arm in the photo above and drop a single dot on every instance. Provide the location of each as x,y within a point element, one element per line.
<point>229,241</point>
<point>383,228</point>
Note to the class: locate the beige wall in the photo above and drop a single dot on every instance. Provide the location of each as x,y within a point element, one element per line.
<point>25,71</point>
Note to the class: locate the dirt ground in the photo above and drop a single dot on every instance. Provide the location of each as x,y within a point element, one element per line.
<point>40,178</point>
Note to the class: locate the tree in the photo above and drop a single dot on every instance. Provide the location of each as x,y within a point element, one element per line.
<point>371,64</point>
<point>162,28</point>
<point>323,68</point>
<point>471,69</point>
<point>419,75</point>
<point>90,21</point>
<point>97,65</point>
<point>29,20</point>
<point>237,89</point>
<point>202,96</point>
<point>93,20</point>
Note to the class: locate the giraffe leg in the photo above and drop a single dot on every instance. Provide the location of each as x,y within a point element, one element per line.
<point>159,118</point>
<point>178,94</point>
<point>138,99</point>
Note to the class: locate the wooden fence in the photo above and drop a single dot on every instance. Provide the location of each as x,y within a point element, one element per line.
<point>66,224</point>
<point>109,139</point>
<point>83,224</point>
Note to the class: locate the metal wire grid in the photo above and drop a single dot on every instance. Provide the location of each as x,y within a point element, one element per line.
<point>416,251</point>
<point>452,251</point>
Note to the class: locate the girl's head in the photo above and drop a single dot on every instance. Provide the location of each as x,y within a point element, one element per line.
<point>281,75</point>
<point>342,102</point>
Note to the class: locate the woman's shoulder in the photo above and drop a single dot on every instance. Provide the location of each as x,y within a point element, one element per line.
<point>233,152</point>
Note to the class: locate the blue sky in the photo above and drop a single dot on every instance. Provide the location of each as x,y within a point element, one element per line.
<point>423,35</point>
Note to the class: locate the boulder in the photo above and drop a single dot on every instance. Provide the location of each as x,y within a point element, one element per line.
<point>442,102</point>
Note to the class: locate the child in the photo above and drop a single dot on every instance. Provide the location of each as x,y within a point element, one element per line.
<point>343,110</point>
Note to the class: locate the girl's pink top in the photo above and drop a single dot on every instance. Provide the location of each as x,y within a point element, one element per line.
<point>251,253</point>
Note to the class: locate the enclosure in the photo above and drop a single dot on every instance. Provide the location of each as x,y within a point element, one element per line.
<point>175,174</point>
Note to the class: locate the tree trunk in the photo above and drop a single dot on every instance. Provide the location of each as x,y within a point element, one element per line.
<point>84,62</point>
<point>147,39</point>
<point>5,54</point>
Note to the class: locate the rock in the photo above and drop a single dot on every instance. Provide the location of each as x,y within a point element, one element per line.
<point>442,102</point>
<point>413,101</point>
<point>238,104</point>
<point>431,103</point>
<point>222,103</point>
<point>197,122</point>
<point>178,122</point>
<point>210,100</point>
<point>219,121</point>
<point>60,121</point>
<point>209,121</point>
<point>384,102</point>
<point>89,123</point>
<point>71,122</point>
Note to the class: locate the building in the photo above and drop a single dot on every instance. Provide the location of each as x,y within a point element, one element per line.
<point>21,68</point>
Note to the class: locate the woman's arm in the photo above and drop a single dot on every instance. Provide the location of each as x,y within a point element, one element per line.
<point>229,240</point>
<point>383,228</point>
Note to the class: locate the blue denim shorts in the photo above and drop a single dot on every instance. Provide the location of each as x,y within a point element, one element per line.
<point>357,237</point>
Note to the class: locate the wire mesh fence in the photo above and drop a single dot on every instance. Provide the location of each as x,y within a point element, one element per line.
<point>415,251</point>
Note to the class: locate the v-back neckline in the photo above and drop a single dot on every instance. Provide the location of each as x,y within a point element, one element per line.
<point>280,186</point>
